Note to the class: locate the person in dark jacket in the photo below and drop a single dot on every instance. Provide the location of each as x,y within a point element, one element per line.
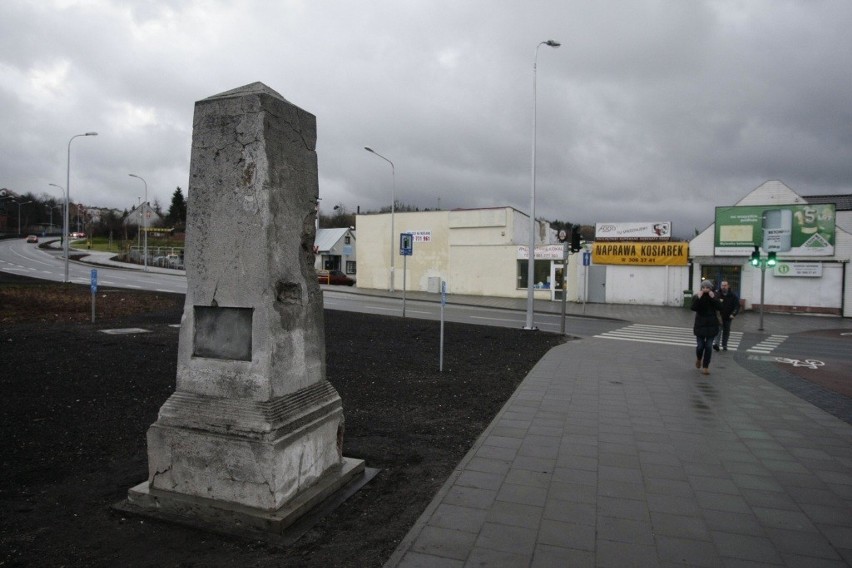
<point>706,306</point>
<point>730,307</point>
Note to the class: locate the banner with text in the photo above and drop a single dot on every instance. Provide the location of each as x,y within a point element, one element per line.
<point>657,231</point>
<point>793,230</point>
<point>641,254</point>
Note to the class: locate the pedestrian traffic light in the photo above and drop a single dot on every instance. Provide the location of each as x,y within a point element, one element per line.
<point>771,260</point>
<point>755,257</point>
<point>575,239</point>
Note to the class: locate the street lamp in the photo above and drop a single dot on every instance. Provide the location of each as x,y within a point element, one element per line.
<point>68,199</point>
<point>393,209</point>
<point>144,220</point>
<point>531,261</point>
<point>62,189</point>
<point>19,214</point>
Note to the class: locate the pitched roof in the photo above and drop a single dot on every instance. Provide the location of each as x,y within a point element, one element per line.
<point>327,238</point>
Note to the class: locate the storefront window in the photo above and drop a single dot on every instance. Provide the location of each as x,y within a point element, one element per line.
<point>541,274</point>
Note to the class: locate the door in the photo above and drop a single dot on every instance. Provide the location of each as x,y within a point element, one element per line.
<point>596,293</point>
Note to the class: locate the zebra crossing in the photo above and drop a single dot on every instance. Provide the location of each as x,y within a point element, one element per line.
<point>768,345</point>
<point>663,335</point>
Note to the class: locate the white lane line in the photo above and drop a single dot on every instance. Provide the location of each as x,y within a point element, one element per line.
<point>496,319</point>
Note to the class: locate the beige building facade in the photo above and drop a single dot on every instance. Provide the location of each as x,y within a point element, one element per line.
<point>475,251</point>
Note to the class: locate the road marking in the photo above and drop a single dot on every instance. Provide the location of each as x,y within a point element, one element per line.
<point>495,319</point>
<point>768,345</point>
<point>663,335</point>
<point>808,363</point>
<point>124,331</point>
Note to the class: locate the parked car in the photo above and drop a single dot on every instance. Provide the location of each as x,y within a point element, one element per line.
<point>334,277</point>
<point>32,239</point>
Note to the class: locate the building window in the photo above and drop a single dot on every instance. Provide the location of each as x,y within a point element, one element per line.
<point>350,266</point>
<point>541,273</point>
<point>346,239</point>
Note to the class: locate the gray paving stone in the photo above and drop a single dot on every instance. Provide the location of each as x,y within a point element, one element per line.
<point>458,518</point>
<point>497,559</point>
<point>507,538</point>
<point>534,463</point>
<point>486,465</point>
<point>722,502</point>
<point>802,544</point>
<point>515,514</point>
<point>674,505</point>
<point>567,535</point>
<point>575,475</point>
<point>479,480</point>
<point>496,453</point>
<point>445,543</point>
<point>503,442</point>
<point>623,508</point>
<point>626,555</point>
<point>666,485</point>
<point>622,489</point>
<point>746,547</point>
<point>680,526</point>
<point>470,497</point>
<point>546,556</point>
<point>687,552</point>
<point>417,560</point>
<point>524,494</point>
<point>769,499</point>
<point>625,530</point>
<point>529,477</point>
<point>570,512</point>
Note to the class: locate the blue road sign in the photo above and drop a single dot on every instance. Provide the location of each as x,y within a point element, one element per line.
<point>406,244</point>
<point>587,258</point>
<point>94,281</point>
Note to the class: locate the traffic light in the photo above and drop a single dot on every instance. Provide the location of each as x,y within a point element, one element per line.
<point>771,260</point>
<point>575,239</point>
<point>755,257</point>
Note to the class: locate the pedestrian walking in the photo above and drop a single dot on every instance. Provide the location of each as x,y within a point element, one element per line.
<point>706,306</point>
<point>730,307</point>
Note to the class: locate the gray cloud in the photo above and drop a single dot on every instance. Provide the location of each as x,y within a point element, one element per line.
<point>649,111</point>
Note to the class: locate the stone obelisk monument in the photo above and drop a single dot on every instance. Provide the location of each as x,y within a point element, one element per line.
<point>253,433</point>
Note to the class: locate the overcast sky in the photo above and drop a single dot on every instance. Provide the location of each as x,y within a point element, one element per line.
<point>651,110</point>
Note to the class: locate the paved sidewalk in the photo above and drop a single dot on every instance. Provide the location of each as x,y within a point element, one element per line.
<point>614,454</point>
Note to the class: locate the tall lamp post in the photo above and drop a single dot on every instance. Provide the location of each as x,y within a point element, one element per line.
<point>68,199</point>
<point>393,208</point>
<point>531,261</point>
<point>62,189</point>
<point>19,214</point>
<point>144,220</point>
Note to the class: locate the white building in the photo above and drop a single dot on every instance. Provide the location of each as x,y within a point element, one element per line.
<point>334,249</point>
<point>812,275</point>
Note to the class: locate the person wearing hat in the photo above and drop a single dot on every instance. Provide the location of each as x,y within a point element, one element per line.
<point>706,306</point>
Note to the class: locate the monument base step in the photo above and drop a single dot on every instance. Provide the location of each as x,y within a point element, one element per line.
<point>282,526</point>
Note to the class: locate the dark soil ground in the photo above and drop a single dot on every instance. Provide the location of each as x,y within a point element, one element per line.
<point>76,404</point>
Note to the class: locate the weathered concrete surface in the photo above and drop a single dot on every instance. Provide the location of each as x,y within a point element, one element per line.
<point>253,422</point>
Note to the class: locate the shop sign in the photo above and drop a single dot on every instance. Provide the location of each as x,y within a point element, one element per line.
<point>795,230</point>
<point>421,236</point>
<point>800,269</point>
<point>659,231</point>
<point>641,253</point>
<point>543,252</point>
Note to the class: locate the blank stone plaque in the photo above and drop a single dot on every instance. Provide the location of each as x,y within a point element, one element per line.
<point>223,333</point>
